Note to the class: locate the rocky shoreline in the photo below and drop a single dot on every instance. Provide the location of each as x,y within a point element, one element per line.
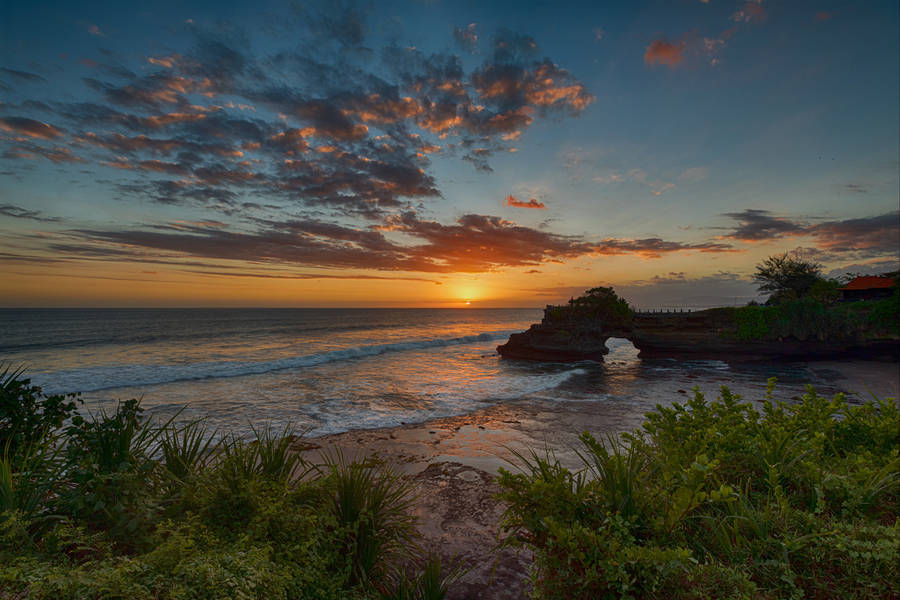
<point>702,334</point>
<point>452,463</point>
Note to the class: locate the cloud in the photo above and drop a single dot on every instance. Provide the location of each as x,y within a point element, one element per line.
<point>532,203</point>
<point>864,237</point>
<point>466,37</point>
<point>751,12</point>
<point>29,127</point>
<point>18,212</point>
<point>760,225</point>
<point>28,151</point>
<point>21,75</point>
<point>869,235</point>
<point>664,52</point>
<point>655,247</point>
<point>94,30</point>
<point>216,125</point>
<point>473,244</point>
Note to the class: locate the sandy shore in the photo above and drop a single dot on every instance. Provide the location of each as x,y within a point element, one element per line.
<point>453,462</point>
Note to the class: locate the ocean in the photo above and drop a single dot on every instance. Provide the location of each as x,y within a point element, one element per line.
<point>333,370</point>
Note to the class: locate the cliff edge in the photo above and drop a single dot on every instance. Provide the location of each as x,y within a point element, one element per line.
<point>799,330</point>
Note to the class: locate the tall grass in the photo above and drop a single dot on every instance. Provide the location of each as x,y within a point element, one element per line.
<point>371,503</point>
<point>186,449</point>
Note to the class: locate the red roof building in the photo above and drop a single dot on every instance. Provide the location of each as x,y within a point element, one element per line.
<point>870,287</point>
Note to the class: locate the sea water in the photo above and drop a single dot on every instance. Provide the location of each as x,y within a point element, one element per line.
<point>332,370</point>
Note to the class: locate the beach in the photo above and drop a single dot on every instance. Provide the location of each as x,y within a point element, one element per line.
<point>452,463</point>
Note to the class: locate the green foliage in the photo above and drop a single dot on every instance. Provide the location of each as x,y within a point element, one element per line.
<point>27,416</point>
<point>371,504</point>
<point>884,315</point>
<point>185,449</point>
<point>597,303</point>
<point>788,277</point>
<point>811,319</point>
<point>112,478</point>
<point>765,500</point>
<point>117,506</point>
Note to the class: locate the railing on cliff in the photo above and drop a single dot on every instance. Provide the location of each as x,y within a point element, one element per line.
<point>665,310</point>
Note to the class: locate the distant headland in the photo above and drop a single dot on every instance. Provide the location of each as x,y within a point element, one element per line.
<point>821,319</point>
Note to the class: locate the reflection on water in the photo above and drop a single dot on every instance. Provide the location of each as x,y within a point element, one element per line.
<point>334,370</point>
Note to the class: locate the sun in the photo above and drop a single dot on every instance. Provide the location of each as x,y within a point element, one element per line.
<point>468,303</point>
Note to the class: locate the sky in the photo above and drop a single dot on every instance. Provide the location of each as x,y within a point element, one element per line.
<point>428,153</point>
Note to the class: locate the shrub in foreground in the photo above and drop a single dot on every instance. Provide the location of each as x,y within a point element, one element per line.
<point>113,505</point>
<point>719,499</point>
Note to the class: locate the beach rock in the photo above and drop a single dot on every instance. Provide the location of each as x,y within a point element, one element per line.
<point>705,334</point>
<point>458,515</point>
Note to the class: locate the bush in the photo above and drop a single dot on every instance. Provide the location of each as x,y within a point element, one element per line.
<point>597,303</point>
<point>766,500</point>
<point>27,416</point>
<point>114,505</point>
<point>811,319</point>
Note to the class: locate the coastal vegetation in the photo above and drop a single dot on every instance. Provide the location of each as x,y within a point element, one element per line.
<point>710,499</point>
<point>721,499</point>
<point>595,303</point>
<point>114,505</point>
<point>804,305</point>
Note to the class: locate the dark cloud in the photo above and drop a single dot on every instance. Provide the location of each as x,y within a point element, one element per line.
<point>18,212</point>
<point>866,236</point>
<point>311,276</point>
<point>320,126</point>
<point>21,75</point>
<point>655,247</point>
<point>760,225</point>
<point>29,127</point>
<point>857,188</point>
<point>473,244</point>
<point>24,150</point>
<point>871,236</point>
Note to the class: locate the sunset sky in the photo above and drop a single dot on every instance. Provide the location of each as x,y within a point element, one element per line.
<point>428,153</point>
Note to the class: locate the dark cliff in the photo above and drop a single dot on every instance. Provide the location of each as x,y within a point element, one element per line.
<point>748,333</point>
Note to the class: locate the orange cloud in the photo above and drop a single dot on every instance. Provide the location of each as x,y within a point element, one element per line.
<point>513,201</point>
<point>664,52</point>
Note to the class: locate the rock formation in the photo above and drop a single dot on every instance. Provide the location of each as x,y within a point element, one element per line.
<point>564,335</point>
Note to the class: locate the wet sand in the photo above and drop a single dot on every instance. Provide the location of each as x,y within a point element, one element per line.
<point>452,463</point>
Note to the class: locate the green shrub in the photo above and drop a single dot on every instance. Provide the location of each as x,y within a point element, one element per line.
<point>597,303</point>
<point>371,504</point>
<point>812,318</point>
<point>789,501</point>
<point>27,416</point>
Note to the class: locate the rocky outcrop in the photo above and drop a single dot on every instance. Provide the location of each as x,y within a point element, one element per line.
<point>701,334</point>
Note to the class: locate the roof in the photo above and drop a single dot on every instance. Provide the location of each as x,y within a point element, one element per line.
<point>869,282</point>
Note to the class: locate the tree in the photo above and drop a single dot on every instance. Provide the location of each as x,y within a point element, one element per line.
<point>787,277</point>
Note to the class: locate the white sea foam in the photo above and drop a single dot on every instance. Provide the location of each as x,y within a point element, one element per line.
<point>332,415</point>
<point>91,379</point>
